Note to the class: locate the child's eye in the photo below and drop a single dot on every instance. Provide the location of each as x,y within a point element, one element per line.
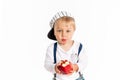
<point>68,30</point>
<point>59,30</point>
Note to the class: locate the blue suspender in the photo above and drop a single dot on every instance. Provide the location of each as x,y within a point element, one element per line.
<point>80,48</point>
<point>55,49</point>
<point>54,54</point>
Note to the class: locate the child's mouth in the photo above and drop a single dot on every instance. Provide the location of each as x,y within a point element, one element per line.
<point>63,40</point>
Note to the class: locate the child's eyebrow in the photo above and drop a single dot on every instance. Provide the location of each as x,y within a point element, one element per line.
<point>58,28</point>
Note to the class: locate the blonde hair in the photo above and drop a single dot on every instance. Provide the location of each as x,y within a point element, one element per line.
<point>67,19</point>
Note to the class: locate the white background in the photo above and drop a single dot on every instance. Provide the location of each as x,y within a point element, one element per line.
<point>24,25</point>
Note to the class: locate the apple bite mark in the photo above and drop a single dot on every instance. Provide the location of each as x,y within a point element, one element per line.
<point>65,64</point>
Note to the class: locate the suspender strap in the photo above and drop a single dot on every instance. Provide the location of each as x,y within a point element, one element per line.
<point>54,51</point>
<point>54,54</point>
<point>80,47</point>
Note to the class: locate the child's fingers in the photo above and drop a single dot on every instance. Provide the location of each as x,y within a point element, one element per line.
<point>56,69</point>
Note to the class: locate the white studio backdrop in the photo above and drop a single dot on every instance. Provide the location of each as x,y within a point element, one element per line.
<point>24,25</point>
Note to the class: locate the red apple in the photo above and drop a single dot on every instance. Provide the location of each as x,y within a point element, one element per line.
<point>65,67</point>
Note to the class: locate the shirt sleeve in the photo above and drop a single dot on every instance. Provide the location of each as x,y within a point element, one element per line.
<point>49,61</point>
<point>83,60</point>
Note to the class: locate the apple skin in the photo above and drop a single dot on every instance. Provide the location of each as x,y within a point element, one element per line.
<point>65,67</point>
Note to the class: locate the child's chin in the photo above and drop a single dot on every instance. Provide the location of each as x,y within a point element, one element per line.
<point>63,43</point>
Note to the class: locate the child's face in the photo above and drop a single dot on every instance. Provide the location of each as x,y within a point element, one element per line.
<point>63,31</point>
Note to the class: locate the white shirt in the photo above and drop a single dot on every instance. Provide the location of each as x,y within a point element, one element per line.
<point>70,55</point>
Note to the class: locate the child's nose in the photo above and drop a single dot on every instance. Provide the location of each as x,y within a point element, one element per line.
<point>63,34</point>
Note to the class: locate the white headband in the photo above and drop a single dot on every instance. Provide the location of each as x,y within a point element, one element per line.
<point>57,16</point>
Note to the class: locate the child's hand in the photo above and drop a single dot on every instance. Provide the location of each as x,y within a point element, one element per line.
<point>75,67</point>
<point>56,67</point>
